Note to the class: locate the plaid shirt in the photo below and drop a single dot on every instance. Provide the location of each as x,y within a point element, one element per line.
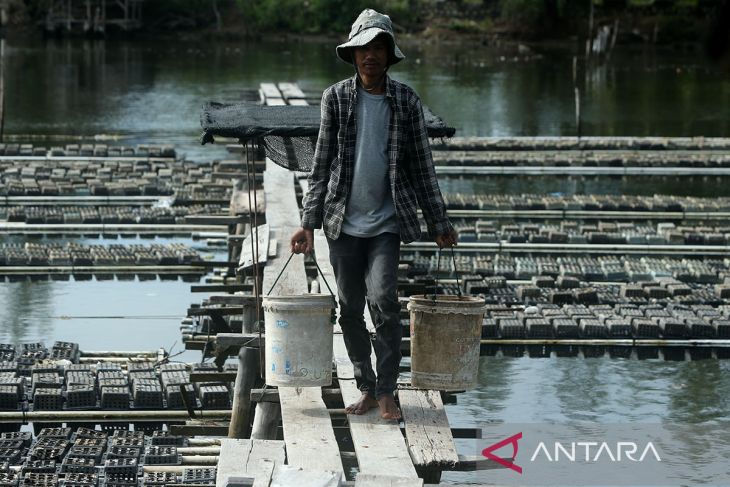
<point>412,177</point>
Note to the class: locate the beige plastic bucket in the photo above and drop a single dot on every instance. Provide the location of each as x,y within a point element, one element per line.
<point>445,335</point>
<point>298,340</point>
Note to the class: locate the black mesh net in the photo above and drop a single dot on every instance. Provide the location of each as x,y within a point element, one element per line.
<point>287,133</point>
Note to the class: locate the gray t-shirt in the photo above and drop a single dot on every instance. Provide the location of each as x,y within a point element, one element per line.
<point>370,210</point>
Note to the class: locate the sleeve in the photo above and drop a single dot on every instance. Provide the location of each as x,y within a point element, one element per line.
<point>324,152</point>
<point>423,175</point>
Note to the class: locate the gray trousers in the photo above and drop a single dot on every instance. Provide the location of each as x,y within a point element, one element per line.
<point>368,267</point>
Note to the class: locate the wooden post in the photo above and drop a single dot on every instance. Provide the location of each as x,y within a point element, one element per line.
<point>248,371</point>
<point>266,421</point>
<point>2,87</point>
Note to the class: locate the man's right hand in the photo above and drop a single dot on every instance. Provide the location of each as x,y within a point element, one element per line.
<point>302,241</point>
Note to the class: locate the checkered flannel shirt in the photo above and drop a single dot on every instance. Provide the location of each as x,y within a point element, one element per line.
<point>412,177</point>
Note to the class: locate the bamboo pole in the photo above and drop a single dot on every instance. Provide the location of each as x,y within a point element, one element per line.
<point>248,371</point>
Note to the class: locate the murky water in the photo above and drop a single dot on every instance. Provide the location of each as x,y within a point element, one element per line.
<point>138,92</point>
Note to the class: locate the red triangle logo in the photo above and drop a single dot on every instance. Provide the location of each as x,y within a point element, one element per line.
<point>487,452</point>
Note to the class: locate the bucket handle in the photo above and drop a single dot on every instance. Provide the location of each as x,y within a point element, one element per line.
<point>284,268</point>
<point>456,272</point>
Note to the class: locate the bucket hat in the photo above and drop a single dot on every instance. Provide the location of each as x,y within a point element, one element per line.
<point>368,25</point>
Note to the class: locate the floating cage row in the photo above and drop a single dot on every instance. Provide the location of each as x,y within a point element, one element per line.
<point>606,268</point>
<point>583,143</point>
<point>644,352</point>
<point>601,232</point>
<point>87,150</point>
<point>625,203</point>
<point>27,354</point>
<point>115,178</point>
<point>583,158</point>
<point>49,386</point>
<point>74,254</point>
<point>105,214</point>
<point>570,290</point>
<point>87,457</point>
<point>671,321</point>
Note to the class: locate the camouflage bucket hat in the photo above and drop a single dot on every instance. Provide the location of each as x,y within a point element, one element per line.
<point>368,25</point>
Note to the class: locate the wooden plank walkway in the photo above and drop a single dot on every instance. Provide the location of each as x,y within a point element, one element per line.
<point>310,439</point>
<point>379,444</point>
<point>254,459</point>
<point>308,433</point>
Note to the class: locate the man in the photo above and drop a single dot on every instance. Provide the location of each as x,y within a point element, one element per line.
<point>372,169</point>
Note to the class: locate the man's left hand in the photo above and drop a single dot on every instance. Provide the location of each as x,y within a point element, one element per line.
<point>447,239</point>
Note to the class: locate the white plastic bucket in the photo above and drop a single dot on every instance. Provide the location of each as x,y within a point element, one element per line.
<point>298,340</point>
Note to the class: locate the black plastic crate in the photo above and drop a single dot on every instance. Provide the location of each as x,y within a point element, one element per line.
<point>147,395</point>
<point>45,368</point>
<point>78,368</point>
<point>123,466</point>
<point>25,436</point>
<point>47,399</point>
<point>80,396</point>
<point>115,397</point>
<point>165,438</point>
<point>8,479</point>
<point>120,479</point>
<point>113,382</point>
<point>159,478</point>
<point>31,479</point>
<point>47,453</point>
<point>161,455</point>
<point>124,452</point>
<point>10,366</point>
<point>10,455</point>
<point>17,444</point>
<point>215,397</point>
<point>91,452</point>
<point>9,397</point>
<point>80,479</point>
<point>61,433</point>
<point>39,466</point>
<point>144,366</point>
<point>174,397</point>
<point>107,367</point>
<point>128,438</point>
<point>78,465</point>
<point>199,475</point>
<point>90,433</point>
<point>125,433</point>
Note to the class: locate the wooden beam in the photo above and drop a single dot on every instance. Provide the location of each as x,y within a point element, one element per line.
<point>216,219</point>
<point>218,288</point>
<point>375,480</point>
<point>246,260</point>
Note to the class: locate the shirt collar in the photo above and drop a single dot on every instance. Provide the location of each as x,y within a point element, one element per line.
<point>389,88</point>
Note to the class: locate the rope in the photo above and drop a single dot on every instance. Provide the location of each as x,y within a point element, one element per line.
<point>456,273</point>
<point>253,220</point>
<point>280,273</point>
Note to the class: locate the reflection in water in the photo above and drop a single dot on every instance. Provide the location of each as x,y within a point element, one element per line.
<point>26,309</point>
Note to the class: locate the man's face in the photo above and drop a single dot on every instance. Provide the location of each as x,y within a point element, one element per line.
<point>372,58</point>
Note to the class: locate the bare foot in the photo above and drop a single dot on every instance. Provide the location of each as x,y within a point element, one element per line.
<point>388,407</point>
<point>363,405</point>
